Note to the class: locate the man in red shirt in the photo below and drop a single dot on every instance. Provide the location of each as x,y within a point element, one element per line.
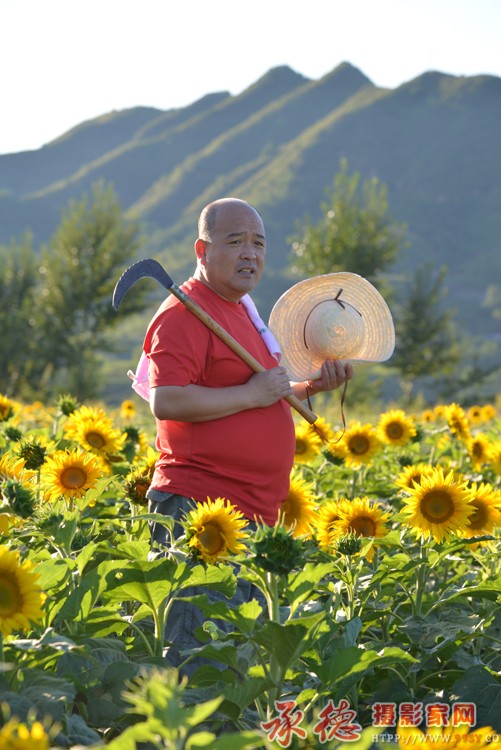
<point>222,430</point>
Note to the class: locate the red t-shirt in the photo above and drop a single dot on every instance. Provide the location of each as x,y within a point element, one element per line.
<point>246,457</point>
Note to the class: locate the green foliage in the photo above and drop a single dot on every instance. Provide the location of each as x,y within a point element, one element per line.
<point>356,232</point>
<point>57,309</point>
<point>396,619</point>
<point>427,340</point>
<point>20,343</point>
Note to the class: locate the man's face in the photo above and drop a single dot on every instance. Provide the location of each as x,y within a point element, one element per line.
<point>233,261</point>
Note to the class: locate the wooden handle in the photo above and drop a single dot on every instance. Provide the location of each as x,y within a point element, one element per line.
<point>233,344</point>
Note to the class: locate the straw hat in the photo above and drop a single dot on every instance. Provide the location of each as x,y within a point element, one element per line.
<point>334,316</point>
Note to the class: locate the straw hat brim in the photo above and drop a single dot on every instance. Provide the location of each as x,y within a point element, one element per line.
<point>355,326</point>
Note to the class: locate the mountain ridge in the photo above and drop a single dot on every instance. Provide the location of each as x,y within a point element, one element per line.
<point>433,140</point>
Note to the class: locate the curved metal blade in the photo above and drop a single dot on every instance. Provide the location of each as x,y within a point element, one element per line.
<point>139,270</point>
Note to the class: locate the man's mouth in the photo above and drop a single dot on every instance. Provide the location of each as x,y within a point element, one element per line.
<point>246,270</point>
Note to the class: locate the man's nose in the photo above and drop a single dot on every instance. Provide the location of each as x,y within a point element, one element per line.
<point>248,250</point>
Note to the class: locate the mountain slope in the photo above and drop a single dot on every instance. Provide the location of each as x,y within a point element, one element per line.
<point>434,141</point>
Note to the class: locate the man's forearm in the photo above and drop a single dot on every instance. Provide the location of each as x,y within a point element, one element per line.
<point>195,403</point>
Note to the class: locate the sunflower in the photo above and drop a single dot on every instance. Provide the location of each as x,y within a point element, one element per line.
<point>93,430</point>
<point>395,428</point>
<point>410,474</point>
<point>214,528</point>
<point>457,421</point>
<point>439,740</point>
<point>21,598</point>
<point>428,415</point>
<point>363,517</point>
<point>127,409</point>
<point>438,506</point>
<point>474,415</point>
<point>360,443</point>
<point>486,515</point>
<point>6,408</point>
<point>479,449</point>
<point>11,467</point>
<point>440,412</point>
<point>298,509</point>
<point>70,474</point>
<point>66,404</point>
<point>33,451</point>
<point>495,456</point>
<point>17,736</point>
<point>488,412</point>
<point>19,497</point>
<point>329,513</point>
<point>136,485</point>
<point>308,444</point>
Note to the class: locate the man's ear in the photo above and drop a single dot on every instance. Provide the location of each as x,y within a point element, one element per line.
<point>200,250</point>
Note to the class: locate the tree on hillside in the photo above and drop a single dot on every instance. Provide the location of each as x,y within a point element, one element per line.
<point>356,232</point>
<point>56,305</point>
<point>19,340</point>
<point>88,252</point>
<point>427,342</point>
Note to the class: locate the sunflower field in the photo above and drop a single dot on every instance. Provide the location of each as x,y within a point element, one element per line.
<point>377,623</point>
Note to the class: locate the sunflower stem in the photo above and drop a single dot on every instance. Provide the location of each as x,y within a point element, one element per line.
<point>160,618</point>
<point>274,615</point>
<point>422,576</point>
<point>350,588</point>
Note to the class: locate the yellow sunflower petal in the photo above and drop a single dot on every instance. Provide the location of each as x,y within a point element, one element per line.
<point>298,509</point>
<point>18,736</point>
<point>21,598</point>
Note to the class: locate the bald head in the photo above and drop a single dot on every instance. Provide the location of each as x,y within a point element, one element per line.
<point>231,248</point>
<point>208,218</point>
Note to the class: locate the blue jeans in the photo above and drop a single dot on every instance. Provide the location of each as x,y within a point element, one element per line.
<point>184,617</point>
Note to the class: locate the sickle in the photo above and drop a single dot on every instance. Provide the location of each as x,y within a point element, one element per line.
<point>152,268</point>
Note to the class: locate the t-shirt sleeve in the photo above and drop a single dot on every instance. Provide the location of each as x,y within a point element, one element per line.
<point>177,345</point>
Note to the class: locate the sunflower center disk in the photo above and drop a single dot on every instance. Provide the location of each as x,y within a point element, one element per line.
<point>394,430</point>
<point>363,526</point>
<point>73,478</point>
<point>95,439</point>
<point>437,506</point>
<point>212,539</point>
<point>478,518</point>
<point>359,445</point>
<point>10,597</point>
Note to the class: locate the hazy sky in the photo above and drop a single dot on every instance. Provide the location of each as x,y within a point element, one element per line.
<point>66,61</point>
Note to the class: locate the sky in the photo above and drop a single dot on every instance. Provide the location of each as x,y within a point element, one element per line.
<point>63,62</point>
